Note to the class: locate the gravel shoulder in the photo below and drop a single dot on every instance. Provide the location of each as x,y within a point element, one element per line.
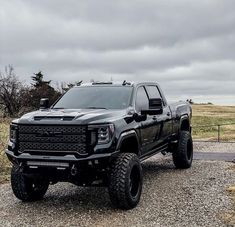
<point>192,197</point>
<point>214,147</point>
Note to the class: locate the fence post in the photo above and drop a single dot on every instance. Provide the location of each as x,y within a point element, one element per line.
<point>218,133</point>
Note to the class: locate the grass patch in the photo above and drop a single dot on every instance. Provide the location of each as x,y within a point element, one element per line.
<point>4,163</point>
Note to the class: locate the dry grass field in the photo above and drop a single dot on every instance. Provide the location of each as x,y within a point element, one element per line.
<point>213,115</point>
<point>4,163</point>
<point>202,115</point>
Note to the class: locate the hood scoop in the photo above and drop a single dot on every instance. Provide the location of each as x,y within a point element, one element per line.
<point>58,118</point>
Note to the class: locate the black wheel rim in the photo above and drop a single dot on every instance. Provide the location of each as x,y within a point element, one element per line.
<point>134,181</point>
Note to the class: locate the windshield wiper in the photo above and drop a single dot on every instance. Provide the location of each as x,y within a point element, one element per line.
<point>57,108</point>
<point>95,107</point>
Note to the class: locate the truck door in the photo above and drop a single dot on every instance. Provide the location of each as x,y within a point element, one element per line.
<point>158,123</point>
<point>148,130</point>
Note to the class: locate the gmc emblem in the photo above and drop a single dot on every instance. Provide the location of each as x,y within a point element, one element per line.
<point>49,134</point>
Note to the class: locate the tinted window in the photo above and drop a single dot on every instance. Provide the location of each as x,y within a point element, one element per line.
<point>142,101</point>
<point>96,97</point>
<point>153,92</point>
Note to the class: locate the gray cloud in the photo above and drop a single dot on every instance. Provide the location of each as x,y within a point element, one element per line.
<point>188,46</point>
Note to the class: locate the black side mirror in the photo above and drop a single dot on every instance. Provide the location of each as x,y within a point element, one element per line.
<point>155,107</point>
<point>44,103</point>
<point>139,117</point>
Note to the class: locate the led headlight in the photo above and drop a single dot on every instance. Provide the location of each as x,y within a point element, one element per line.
<point>104,133</point>
<point>13,133</point>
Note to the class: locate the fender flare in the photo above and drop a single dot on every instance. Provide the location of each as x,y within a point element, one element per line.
<point>183,118</point>
<point>126,135</point>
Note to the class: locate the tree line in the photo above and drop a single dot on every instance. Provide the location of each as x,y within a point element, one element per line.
<point>17,97</point>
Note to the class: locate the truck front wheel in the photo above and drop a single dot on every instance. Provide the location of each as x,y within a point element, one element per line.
<point>25,188</point>
<point>126,181</point>
<point>183,154</point>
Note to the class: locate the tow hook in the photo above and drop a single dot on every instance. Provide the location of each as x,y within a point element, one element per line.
<point>74,170</point>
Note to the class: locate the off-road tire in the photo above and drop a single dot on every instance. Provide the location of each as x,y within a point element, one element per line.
<point>25,188</point>
<point>125,181</point>
<point>183,154</point>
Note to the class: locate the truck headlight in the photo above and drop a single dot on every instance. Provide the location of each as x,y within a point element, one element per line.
<point>104,133</point>
<point>13,133</point>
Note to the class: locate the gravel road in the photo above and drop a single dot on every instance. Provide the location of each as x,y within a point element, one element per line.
<point>192,197</point>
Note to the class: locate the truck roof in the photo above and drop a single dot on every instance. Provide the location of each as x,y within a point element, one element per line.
<point>116,83</point>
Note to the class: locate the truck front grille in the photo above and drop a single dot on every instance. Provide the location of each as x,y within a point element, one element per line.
<point>44,138</point>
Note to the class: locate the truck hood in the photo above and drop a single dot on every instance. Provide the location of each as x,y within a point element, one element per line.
<point>69,116</point>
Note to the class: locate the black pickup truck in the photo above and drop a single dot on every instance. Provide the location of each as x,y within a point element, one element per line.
<point>98,134</point>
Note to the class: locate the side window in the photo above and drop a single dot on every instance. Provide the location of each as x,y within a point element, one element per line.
<point>142,101</point>
<point>153,92</point>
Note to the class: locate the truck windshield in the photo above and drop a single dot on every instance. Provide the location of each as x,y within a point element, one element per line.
<point>100,97</point>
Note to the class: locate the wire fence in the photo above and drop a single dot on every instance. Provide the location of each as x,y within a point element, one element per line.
<point>214,133</point>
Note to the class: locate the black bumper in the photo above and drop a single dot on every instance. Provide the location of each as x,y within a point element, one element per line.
<point>66,158</point>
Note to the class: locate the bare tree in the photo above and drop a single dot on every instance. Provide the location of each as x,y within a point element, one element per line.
<point>12,92</point>
<point>16,98</point>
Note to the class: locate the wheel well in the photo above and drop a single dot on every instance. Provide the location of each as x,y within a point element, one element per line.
<point>130,145</point>
<point>185,126</point>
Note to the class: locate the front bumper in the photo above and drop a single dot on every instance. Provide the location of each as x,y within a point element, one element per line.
<point>24,157</point>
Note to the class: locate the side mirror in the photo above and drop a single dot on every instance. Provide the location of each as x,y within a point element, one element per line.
<point>155,107</point>
<point>44,103</point>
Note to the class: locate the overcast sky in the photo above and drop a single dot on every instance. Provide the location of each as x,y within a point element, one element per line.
<point>187,46</point>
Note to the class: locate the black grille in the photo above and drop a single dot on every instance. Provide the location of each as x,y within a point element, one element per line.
<point>81,148</point>
<point>53,138</point>
<point>64,129</point>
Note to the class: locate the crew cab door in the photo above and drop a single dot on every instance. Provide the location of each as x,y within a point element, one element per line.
<point>166,125</point>
<point>163,122</point>
<point>148,129</point>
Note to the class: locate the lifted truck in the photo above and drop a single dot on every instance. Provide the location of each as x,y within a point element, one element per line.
<point>97,135</point>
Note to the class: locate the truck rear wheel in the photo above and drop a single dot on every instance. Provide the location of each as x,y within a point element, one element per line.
<point>183,155</point>
<point>126,181</point>
<point>25,188</point>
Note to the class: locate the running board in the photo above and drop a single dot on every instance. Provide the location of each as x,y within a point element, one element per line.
<point>161,149</point>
